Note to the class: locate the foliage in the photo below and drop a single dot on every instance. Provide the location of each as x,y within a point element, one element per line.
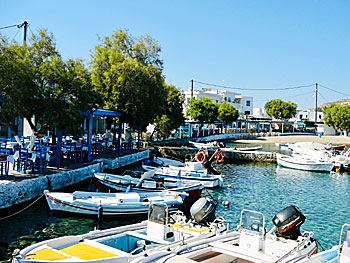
<point>279,109</point>
<point>127,72</point>
<point>227,113</point>
<point>38,85</point>
<point>203,110</point>
<point>338,117</point>
<point>172,117</point>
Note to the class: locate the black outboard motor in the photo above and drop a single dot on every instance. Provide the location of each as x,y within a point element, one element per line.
<point>203,210</point>
<point>209,167</point>
<point>288,222</point>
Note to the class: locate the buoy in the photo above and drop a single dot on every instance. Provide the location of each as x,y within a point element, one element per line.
<point>229,186</point>
<point>226,203</point>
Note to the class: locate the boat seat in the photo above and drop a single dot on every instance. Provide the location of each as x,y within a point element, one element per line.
<point>180,259</point>
<point>88,252</point>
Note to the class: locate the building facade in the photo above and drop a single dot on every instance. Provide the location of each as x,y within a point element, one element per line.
<point>243,104</point>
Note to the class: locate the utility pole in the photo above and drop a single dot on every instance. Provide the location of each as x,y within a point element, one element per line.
<point>25,24</point>
<point>316,104</point>
<point>191,88</point>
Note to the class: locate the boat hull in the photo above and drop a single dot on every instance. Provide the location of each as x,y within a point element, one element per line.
<point>287,161</point>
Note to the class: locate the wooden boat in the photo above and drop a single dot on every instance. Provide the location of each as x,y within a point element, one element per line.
<point>125,243</point>
<point>126,183</point>
<point>303,162</point>
<point>283,243</point>
<point>241,149</point>
<point>193,172</point>
<point>338,147</point>
<point>112,204</point>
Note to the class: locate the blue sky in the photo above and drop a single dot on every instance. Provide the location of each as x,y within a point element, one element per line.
<point>244,44</point>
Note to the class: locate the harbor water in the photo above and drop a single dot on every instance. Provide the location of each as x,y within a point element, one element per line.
<point>323,198</point>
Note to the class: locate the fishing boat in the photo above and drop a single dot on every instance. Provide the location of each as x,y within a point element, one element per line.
<point>124,243</point>
<point>127,183</point>
<point>111,204</point>
<point>338,147</point>
<point>162,161</point>
<point>303,162</point>
<point>241,149</point>
<point>283,243</point>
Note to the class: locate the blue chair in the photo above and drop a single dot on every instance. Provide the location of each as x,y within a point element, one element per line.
<point>69,151</point>
<point>3,160</point>
<point>22,161</point>
<point>78,152</point>
<point>40,162</point>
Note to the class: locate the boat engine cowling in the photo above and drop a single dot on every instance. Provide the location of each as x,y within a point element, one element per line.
<point>203,210</point>
<point>288,222</point>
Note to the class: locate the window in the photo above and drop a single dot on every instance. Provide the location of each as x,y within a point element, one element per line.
<point>248,103</point>
<point>217,101</point>
<point>301,116</point>
<point>247,112</point>
<point>229,99</point>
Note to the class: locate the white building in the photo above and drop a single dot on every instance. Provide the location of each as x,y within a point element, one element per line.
<point>309,115</point>
<point>243,104</point>
<point>260,113</point>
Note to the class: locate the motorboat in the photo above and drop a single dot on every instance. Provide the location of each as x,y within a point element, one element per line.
<point>111,204</point>
<point>201,145</point>
<point>146,183</point>
<point>283,243</point>
<point>162,161</point>
<point>193,172</point>
<point>125,243</point>
<point>339,253</point>
<point>304,162</point>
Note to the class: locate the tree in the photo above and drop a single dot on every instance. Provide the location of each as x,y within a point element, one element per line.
<point>227,113</point>
<point>338,117</point>
<point>172,117</point>
<point>203,110</point>
<point>279,109</point>
<point>38,85</point>
<point>127,72</point>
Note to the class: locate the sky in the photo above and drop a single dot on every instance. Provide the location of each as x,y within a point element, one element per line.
<point>242,45</point>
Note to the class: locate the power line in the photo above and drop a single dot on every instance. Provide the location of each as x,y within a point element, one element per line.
<point>299,95</point>
<point>334,90</point>
<point>323,97</point>
<point>19,25</point>
<point>228,87</point>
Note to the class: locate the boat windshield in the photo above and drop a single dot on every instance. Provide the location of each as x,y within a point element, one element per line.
<point>252,221</point>
<point>158,213</point>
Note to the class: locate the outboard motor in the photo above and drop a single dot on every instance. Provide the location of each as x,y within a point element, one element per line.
<point>209,167</point>
<point>288,222</point>
<point>203,210</point>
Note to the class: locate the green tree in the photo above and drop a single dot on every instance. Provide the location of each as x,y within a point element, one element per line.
<point>338,117</point>
<point>38,85</point>
<point>203,110</point>
<point>227,113</point>
<point>127,72</point>
<point>279,109</point>
<point>172,116</point>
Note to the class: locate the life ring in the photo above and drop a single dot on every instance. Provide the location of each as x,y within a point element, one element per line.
<point>201,157</point>
<point>219,156</point>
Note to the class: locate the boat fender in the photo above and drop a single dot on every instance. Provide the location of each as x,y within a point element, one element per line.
<point>201,157</point>
<point>219,156</point>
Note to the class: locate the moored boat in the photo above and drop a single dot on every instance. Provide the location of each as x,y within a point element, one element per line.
<point>112,204</point>
<point>283,243</point>
<point>126,183</point>
<point>302,162</point>
<point>125,243</point>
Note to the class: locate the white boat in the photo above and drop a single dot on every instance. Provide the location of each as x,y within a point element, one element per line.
<point>283,243</point>
<point>241,149</point>
<point>127,183</point>
<point>192,172</point>
<point>201,145</point>
<point>337,254</point>
<point>167,161</point>
<point>112,204</point>
<point>122,244</point>
<point>303,162</point>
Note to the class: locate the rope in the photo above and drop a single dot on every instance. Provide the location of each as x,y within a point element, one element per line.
<point>23,208</point>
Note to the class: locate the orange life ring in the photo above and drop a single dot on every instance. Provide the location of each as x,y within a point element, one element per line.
<point>219,156</point>
<point>201,157</point>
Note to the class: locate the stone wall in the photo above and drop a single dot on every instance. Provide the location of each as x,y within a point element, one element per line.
<point>18,192</point>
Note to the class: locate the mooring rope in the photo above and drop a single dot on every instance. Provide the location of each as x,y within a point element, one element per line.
<point>22,209</point>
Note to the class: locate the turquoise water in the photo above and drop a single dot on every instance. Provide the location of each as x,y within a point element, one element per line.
<point>323,198</point>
